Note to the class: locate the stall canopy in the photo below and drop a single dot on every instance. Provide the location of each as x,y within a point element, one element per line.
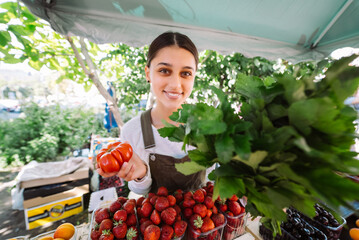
<point>290,29</point>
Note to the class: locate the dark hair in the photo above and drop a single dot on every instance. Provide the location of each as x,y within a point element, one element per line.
<point>169,39</point>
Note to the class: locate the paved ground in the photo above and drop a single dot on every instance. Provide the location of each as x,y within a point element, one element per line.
<point>12,222</point>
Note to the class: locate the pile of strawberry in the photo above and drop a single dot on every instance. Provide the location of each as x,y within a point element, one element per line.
<point>235,215</point>
<point>116,221</point>
<point>203,216</point>
<point>160,216</point>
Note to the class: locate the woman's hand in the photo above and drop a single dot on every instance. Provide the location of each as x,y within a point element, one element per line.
<point>133,169</point>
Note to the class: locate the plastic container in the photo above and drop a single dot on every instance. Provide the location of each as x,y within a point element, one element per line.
<point>235,226</point>
<point>268,234</point>
<point>214,234</point>
<point>51,234</point>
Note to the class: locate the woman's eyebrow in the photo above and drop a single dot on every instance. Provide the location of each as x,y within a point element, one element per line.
<point>170,65</point>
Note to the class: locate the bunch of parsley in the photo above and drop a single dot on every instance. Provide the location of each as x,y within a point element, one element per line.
<point>289,145</point>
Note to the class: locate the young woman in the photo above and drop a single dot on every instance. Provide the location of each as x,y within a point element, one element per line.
<point>171,67</point>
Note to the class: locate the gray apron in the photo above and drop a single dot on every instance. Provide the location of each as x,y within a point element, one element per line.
<point>162,167</point>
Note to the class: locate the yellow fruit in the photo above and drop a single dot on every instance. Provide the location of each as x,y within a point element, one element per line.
<point>64,231</point>
<point>354,233</point>
<point>59,239</point>
<point>46,238</point>
<point>357,222</point>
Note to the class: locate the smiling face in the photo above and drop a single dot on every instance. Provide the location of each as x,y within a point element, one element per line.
<point>171,73</point>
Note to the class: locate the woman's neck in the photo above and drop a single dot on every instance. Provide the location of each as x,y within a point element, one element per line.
<point>158,114</point>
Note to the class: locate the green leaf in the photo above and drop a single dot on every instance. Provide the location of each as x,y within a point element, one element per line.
<point>21,30</point>
<point>10,58</point>
<point>4,38</point>
<point>229,186</point>
<point>254,159</point>
<point>294,90</point>
<point>200,157</point>
<point>188,168</point>
<point>224,146</point>
<point>36,64</point>
<point>242,145</point>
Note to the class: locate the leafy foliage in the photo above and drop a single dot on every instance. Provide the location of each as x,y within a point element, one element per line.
<point>45,133</point>
<point>288,145</point>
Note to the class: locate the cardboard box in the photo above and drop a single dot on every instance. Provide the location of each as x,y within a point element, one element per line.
<point>39,200</point>
<point>51,212</point>
<point>78,174</point>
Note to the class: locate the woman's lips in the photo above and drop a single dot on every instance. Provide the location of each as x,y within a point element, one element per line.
<point>173,95</point>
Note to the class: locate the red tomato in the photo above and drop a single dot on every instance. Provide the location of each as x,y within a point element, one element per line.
<point>113,145</point>
<point>108,163</point>
<point>126,151</point>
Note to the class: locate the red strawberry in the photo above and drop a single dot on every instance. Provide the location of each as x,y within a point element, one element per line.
<point>120,230</point>
<point>188,203</point>
<point>187,212</point>
<point>132,233</point>
<point>178,209</point>
<point>152,232</point>
<point>144,225</point>
<point>155,217</point>
<point>122,200</point>
<point>95,234</point>
<point>207,225</point>
<point>178,194</point>
<point>234,207</point>
<point>120,215</point>
<point>196,221</point>
<point>131,220</point>
<point>215,209</point>
<point>166,232</point>
<point>200,209</point>
<point>188,195</point>
<point>116,205</point>
<point>129,206</point>
<point>169,215</point>
<point>153,200</point>
<point>132,201</point>
<point>209,212</point>
<point>213,235</point>
<point>162,203</point>
<point>208,201</point>
<point>210,188</point>
<point>101,214</point>
<point>142,220</point>
<point>106,235</point>
<point>146,200</point>
<point>195,233</point>
<point>180,228</point>
<point>233,198</point>
<point>222,206</point>
<point>218,219</point>
<point>106,224</point>
<point>232,220</point>
<point>150,195</point>
<point>171,199</point>
<point>162,191</point>
<point>146,209</point>
<point>139,201</point>
<point>198,196</point>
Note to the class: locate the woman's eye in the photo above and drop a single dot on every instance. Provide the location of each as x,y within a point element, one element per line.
<point>163,70</point>
<point>187,74</point>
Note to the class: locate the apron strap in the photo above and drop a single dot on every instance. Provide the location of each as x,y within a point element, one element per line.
<point>146,126</point>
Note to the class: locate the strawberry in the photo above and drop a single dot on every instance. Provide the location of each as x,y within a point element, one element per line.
<point>122,200</point>
<point>207,225</point>
<point>214,209</point>
<point>188,195</point>
<point>234,198</point>
<point>106,224</point>
<point>213,235</point>
<point>150,195</point>
<point>171,199</point>
<point>180,228</point>
<point>222,205</point>
<point>188,203</point>
<point>101,214</point>
<point>166,232</point>
<point>178,209</point>
<point>146,200</point>
<point>198,196</point>
<point>162,203</point>
<point>95,234</point>
<point>133,201</point>
<point>120,230</point>
<point>178,194</point>
<point>208,201</point>
<point>153,200</point>
<point>120,215</point>
<point>187,212</point>
<point>132,233</point>
<point>232,220</point>
<point>162,191</point>
<point>131,220</point>
<point>139,201</point>
<point>200,209</point>
<point>218,219</point>
<point>210,188</point>
<point>234,207</point>
<point>144,225</point>
<point>129,206</point>
<point>106,235</point>
<point>152,232</point>
<point>196,221</point>
<point>209,212</point>
<point>146,209</point>
<point>169,215</point>
<point>116,205</point>
<point>195,233</point>
<point>144,219</point>
<point>155,217</point>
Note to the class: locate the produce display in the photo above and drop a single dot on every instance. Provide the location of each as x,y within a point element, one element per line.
<point>65,231</point>
<point>111,158</point>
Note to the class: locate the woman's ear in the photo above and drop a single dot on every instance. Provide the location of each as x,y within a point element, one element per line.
<point>147,71</point>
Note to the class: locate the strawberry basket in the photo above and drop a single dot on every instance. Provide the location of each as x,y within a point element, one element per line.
<point>235,226</point>
<point>214,234</point>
